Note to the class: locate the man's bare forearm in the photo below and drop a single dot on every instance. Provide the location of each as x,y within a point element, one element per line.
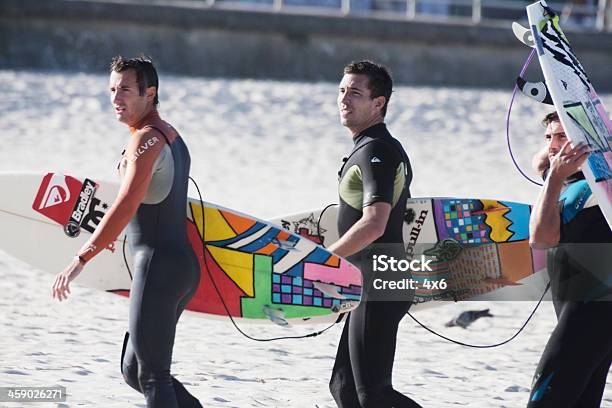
<point>545,223</point>
<point>359,236</point>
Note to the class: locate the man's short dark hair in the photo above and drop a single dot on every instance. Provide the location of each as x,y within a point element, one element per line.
<point>379,79</point>
<point>146,75</point>
<point>550,118</point>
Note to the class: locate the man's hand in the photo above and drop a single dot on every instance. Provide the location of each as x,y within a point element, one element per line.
<point>568,160</point>
<point>366,230</point>
<point>61,285</point>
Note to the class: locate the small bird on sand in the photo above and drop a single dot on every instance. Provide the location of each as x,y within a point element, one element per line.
<point>468,317</point>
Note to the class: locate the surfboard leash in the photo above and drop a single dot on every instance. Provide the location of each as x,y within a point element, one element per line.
<point>514,92</point>
<point>125,257</point>
<point>227,311</point>
<point>486,345</point>
<point>447,338</point>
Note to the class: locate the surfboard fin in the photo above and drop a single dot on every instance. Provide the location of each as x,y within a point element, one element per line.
<point>523,34</point>
<point>276,316</point>
<point>537,91</point>
<point>329,290</point>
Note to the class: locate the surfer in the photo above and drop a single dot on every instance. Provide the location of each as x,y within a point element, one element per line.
<point>566,219</point>
<point>152,198</point>
<point>373,188</point>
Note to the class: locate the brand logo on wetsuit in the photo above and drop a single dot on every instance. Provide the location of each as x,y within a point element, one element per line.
<point>73,227</point>
<point>143,148</point>
<point>415,232</point>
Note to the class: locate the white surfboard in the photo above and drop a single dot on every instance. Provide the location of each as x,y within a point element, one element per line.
<point>580,109</point>
<point>262,271</point>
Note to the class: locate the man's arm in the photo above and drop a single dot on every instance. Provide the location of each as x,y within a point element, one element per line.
<point>368,229</point>
<point>545,220</point>
<point>382,175</point>
<point>138,175</point>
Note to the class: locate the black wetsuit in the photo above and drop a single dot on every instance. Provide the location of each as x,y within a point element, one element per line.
<point>573,368</point>
<point>166,276</point>
<point>377,170</point>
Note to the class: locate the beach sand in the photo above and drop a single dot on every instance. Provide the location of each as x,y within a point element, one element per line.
<point>265,148</point>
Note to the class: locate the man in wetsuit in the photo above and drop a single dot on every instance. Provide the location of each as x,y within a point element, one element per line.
<point>566,219</point>
<point>374,186</point>
<point>152,198</point>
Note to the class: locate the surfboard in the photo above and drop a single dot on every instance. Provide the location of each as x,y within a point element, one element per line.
<point>481,247</point>
<point>580,109</point>
<point>261,270</point>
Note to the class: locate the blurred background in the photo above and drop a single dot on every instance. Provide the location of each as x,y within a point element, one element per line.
<point>434,42</point>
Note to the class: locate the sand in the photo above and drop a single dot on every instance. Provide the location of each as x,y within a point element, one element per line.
<point>265,148</point>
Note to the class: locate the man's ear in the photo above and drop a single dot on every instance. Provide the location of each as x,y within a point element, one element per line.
<point>380,101</point>
<point>151,92</point>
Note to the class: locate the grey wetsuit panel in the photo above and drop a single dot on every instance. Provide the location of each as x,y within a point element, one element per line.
<point>163,177</point>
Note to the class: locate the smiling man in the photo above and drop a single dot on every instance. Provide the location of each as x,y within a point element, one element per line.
<point>373,189</point>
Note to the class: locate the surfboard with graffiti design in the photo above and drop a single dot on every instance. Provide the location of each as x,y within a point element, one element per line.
<point>262,270</point>
<point>481,247</point>
<point>580,109</point>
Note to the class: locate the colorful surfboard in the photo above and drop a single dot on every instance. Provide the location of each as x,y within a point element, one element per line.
<point>568,87</point>
<point>481,246</point>
<point>261,270</point>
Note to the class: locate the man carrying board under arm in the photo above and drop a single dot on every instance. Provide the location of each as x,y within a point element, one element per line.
<point>374,186</point>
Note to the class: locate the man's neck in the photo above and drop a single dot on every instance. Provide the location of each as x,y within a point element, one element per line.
<point>148,117</point>
<point>357,130</point>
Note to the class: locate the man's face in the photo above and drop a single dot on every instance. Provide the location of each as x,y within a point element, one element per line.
<point>555,137</point>
<point>355,101</point>
<point>129,105</point>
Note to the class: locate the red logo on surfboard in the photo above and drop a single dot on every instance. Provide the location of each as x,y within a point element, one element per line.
<point>57,196</point>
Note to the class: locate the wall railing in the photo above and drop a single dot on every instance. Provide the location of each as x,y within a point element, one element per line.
<point>576,15</point>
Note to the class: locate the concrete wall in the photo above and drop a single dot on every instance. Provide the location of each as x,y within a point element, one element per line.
<point>194,40</point>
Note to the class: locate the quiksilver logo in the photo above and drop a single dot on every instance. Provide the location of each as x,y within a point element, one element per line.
<point>375,160</point>
<point>144,147</point>
<point>57,192</point>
